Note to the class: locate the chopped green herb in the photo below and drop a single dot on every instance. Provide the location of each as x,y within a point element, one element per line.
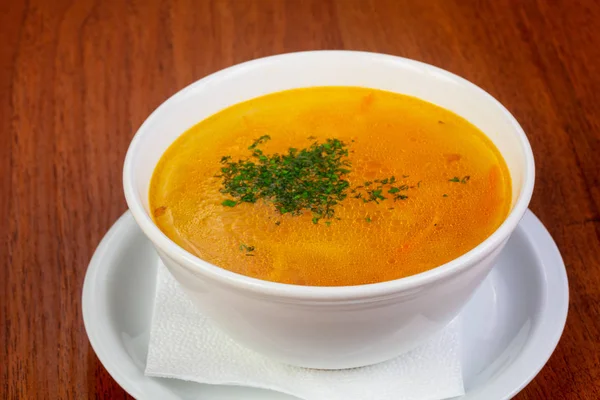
<point>444,195</point>
<point>328,223</point>
<point>465,179</point>
<point>259,141</point>
<point>368,219</point>
<point>376,195</point>
<point>278,223</point>
<point>310,179</point>
<point>247,249</point>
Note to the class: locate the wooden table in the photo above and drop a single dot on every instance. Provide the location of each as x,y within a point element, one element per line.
<point>77,78</point>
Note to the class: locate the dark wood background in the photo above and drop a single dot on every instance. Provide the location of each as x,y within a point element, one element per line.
<point>77,78</point>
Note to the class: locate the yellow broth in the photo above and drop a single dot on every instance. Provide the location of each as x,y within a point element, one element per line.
<point>425,147</point>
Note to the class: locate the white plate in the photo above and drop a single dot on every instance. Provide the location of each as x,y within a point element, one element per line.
<point>510,327</point>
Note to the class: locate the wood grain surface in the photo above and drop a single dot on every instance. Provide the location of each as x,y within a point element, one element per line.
<point>77,78</point>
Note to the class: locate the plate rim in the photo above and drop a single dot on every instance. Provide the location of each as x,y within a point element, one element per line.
<point>554,310</point>
<point>552,267</point>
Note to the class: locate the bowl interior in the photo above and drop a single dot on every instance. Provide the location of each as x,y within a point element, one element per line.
<point>324,68</point>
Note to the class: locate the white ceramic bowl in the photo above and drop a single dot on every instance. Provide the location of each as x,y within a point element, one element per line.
<point>328,327</point>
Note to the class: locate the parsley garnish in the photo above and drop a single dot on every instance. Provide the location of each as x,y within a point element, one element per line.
<point>256,143</point>
<point>229,203</point>
<point>465,179</point>
<point>247,249</point>
<point>310,179</point>
<point>373,190</point>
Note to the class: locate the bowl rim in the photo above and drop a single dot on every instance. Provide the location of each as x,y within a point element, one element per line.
<point>324,293</point>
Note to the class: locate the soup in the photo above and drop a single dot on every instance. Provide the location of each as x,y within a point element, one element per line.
<point>330,186</point>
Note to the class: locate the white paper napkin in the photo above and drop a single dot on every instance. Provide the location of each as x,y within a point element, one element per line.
<point>185,345</point>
